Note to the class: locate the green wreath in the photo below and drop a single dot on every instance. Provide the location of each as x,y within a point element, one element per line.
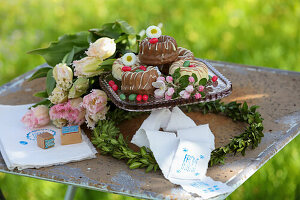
<point>108,139</point>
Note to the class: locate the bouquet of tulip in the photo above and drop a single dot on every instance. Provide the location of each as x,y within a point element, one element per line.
<point>73,95</point>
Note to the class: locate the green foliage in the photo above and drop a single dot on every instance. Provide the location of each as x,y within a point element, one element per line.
<point>66,45</point>
<point>50,82</point>
<point>109,140</point>
<point>42,72</point>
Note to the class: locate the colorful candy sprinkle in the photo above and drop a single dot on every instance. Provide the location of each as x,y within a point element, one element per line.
<point>143,68</point>
<point>111,83</point>
<point>192,66</point>
<point>126,69</point>
<point>139,70</point>
<point>132,97</point>
<point>139,97</point>
<point>186,63</point>
<point>122,97</point>
<point>214,78</point>
<point>153,40</point>
<point>114,87</point>
<point>145,97</point>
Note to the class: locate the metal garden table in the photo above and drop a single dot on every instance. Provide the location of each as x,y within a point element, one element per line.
<point>277,93</point>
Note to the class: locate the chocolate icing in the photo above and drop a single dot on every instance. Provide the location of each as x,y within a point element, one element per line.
<point>162,52</point>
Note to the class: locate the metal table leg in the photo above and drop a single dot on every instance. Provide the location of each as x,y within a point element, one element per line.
<point>70,192</point>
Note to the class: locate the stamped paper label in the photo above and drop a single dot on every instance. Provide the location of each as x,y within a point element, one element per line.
<point>190,160</point>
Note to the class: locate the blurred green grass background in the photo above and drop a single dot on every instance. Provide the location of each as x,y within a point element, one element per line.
<point>252,32</point>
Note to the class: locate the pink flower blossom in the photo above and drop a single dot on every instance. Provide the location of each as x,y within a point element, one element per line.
<point>189,89</point>
<point>184,94</point>
<point>161,78</point>
<point>170,91</point>
<point>191,79</point>
<point>95,105</point>
<point>201,88</point>
<point>197,95</point>
<point>169,79</point>
<point>71,113</point>
<point>167,97</point>
<point>36,117</point>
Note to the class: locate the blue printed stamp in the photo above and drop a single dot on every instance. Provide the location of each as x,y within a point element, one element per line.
<point>69,129</point>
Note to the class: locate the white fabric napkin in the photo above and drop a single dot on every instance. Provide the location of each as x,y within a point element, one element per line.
<point>19,147</point>
<point>183,159</point>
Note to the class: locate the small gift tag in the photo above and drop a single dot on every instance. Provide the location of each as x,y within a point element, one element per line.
<point>190,160</point>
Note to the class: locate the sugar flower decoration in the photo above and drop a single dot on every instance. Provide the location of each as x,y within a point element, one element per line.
<point>161,88</point>
<point>153,32</point>
<point>129,59</point>
<point>184,94</point>
<point>63,76</point>
<point>36,117</point>
<point>102,48</point>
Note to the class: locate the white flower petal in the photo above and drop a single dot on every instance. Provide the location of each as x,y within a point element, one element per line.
<point>153,32</point>
<point>129,59</point>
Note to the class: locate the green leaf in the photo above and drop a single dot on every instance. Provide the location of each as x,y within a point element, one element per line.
<point>40,73</point>
<point>42,94</point>
<point>111,30</point>
<point>203,81</point>
<point>195,77</point>
<point>45,102</point>
<point>56,51</point>
<point>135,165</point>
<point>184,81</point>
<point>106,65</point>
<point>202,94</point>
<point>176,74</point>
<point>149,168</point>
<point>50,82</point>
<point>126,28</point>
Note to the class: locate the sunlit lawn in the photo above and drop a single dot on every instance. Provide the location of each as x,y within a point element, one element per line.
<point>253,32</point>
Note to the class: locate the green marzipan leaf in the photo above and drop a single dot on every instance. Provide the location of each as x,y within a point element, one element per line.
<point>203,81</point>
<point>42,94</point>
<point>40,73</point>
<point>184,81</point>
<point>55,53</point>
<point>195,77</point>
<point>50,82</point>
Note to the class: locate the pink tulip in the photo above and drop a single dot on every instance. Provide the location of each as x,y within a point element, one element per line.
<point>37,117</point>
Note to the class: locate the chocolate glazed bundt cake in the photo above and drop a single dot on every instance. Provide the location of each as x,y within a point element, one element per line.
<point>162,52</point>
<point>139,82</point>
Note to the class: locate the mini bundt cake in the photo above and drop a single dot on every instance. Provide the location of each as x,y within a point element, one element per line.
<point>138,81</point>
<point>197,67</point>
<point>162,52</point>
<point>184,54</point>
<point>117,68</point>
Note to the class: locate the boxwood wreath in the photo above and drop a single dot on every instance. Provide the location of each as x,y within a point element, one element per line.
<point>110,141</point>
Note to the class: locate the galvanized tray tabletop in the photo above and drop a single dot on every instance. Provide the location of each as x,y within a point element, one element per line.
<point>277,93</point>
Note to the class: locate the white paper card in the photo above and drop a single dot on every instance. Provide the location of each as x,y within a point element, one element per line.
<point>200,133</point>
<point>190,160</point>
<point>156,120</point>
<point>179,120</point>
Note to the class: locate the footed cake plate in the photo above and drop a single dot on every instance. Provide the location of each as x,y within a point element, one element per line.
<point>219,90</point>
